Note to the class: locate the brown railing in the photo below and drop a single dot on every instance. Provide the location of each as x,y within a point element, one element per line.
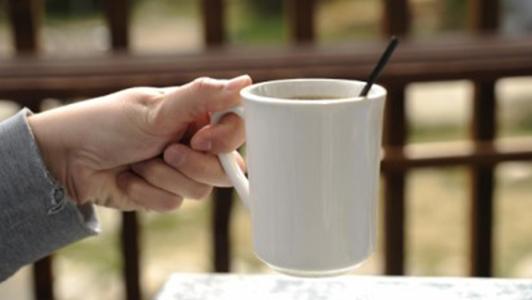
<point>482,56</point>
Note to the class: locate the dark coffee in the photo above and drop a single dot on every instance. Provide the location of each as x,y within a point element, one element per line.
<point>314,97</point>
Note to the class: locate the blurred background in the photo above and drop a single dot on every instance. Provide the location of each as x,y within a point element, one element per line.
<point>437,199</point>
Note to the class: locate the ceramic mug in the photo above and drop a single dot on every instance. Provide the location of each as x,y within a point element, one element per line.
<point>313,156</point>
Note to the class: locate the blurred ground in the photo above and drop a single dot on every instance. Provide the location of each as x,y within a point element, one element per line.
<point>437,198</point>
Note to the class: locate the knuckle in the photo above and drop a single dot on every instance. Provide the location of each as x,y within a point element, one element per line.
<point>202,83</point>
<point>201,192</point>
<point>222,143</point>
<point>206,84</point>
<point>129,204</point>
<point>197,168</point>
<point>156,117</point>
<point>173,203</point>
<point>137,91</point>
<point>143,108</point>
<point>133,187</point>
<point>225,182</point>
<point>226,145</point>
<point>153,172</point>
<point>231,119</point>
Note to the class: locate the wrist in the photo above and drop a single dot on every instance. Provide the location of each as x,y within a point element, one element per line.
<point>53,152</point>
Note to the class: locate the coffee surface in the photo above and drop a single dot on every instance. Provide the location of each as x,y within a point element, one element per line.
<point>314,97</point>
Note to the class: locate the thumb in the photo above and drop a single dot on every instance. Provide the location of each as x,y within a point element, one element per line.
<point>202,96</point>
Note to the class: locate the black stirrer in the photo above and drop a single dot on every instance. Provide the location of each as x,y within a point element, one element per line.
<point>380,66</point>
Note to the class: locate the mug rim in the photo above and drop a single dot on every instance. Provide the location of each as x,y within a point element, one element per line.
<point>376,92</point>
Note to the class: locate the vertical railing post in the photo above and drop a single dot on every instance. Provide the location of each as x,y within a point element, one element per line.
<point>221,217</point>
<point>43,280</point>
<point>484,18</point>
<point>214,22</point>
<point>394,185</point>
<point>25,17</point>
<point>301,18</point>
<point>129,239</point>
<point>396,17</point>
<point>483,128</point>
<point>117,15</point>
<point>484,15</point>
<point>396,21</point>
<point>215,36</point>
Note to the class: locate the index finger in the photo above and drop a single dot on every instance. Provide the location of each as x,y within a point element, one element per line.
<point>222,137</point>
<point>200,97</point>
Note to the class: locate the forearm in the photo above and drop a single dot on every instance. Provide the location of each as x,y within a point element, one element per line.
<point>36,216</point>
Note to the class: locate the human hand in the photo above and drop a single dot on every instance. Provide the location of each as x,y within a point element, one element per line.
<point>143,148</point>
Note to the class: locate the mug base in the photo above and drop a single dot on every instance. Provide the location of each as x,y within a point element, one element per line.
<point>314,274</point>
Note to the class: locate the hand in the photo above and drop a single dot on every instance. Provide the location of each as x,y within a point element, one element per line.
<point>142,147</point>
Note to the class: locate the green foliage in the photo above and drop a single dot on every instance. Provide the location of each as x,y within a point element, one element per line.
<point>61,8</point>
<point>423,134</point>
<point>259,30</point>
<point>526,124</point>
<point>456,14</point>
<point>267,7</point>
<point>99,253</point>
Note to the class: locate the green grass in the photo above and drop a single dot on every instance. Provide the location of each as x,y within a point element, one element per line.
<point>248,28</point>
<point>422,134</point>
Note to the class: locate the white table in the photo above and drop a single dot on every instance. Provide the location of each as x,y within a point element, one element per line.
<point>277,287</point>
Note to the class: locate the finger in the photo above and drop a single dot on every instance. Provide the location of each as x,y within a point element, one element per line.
<point>161,175</point>
<point>196,99</point>
<point>146,195</point>
<point>224,137</point>
<point>198,166</point>
<point>193,128</point>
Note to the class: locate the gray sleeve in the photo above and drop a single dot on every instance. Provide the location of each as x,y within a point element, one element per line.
<point>36,216</point>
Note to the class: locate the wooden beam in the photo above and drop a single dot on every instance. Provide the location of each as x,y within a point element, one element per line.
<point>395,135</point>
<point>481,247</point>
<point>43,279</point>
<point>451,154</point>
<point>25,17</point>
<point>221,218</point>
<point>479,59</point>
<point>214,33</point>
<point>483,128</point>
<point>213,18</point>
<point>484,15</point>
<point>301,20</point>
<point>117,13</point>
<point>129,237</point>
<point>396,18</point>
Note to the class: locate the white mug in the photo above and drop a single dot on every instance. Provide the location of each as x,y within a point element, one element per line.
<point>313,167</point>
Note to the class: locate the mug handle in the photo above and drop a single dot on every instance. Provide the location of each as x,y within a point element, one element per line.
<point>228,160</point>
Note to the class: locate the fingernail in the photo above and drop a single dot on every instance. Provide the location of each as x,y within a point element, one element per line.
<point>176,156</point>
<point>204,144</point>
<point>238,82</point>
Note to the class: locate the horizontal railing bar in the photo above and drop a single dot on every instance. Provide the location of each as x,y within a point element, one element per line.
<point>465,153</point>
<point>24,79</point>
<point>72,85</point>
<point>474,50</point>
